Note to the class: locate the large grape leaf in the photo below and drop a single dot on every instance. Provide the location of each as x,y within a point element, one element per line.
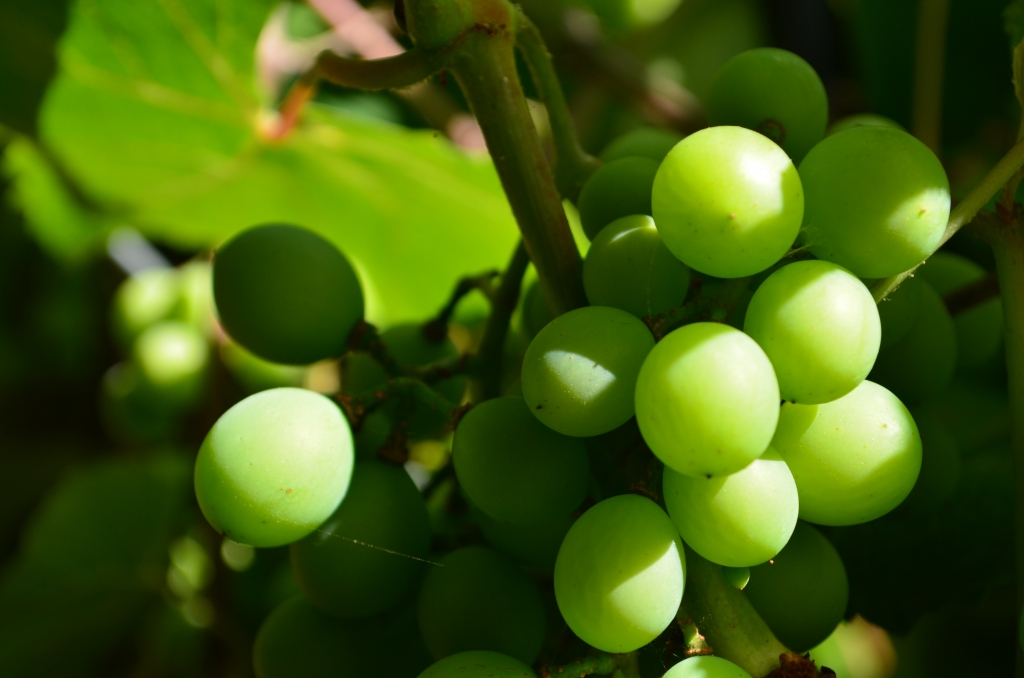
<point>155,113</point>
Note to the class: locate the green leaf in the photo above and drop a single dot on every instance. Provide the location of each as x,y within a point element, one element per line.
<point>92,559</point>
<point>156,114</point>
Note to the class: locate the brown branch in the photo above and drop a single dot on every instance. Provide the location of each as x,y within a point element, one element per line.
<point>972,294</point>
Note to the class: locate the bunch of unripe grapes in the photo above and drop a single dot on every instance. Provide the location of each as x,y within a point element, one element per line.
<point>758,409</point>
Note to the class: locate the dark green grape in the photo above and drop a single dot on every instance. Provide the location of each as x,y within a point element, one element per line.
<point>977,417</point>
<point>254,373</point>
<point>737,577</point>
<point>286,294</point>
<point>618,189</point>
<point>921,364</point>
<point>862,120</point>
<point>773,92</point>
<point>628,267</point>
<point>645,142</point>
<point>536,312</point>
<point>479,664</point>
<point>477,600</point>
<point>534,545</point>
<point>370,553</point>
<point>899,310</point>
<point>516,469</point>
<point>940,464</point>
<point>618,16</point>
<point>580,371</point>
<point>801,594</point>
<point>299,640</point>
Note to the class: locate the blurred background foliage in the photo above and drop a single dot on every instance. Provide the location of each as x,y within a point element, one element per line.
<point>158,116</point>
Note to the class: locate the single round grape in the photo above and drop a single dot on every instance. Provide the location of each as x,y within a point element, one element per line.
<point>898,311</point>
<point>478,600</point>
<point>516,469</point>
<point>941,465</point>
<point>707,400</point>
<point>706,667</point>
<point>979,329</point>
<point>286,294</point>
<point>819,326</point>
<point>143,299</point>
<point>478,664</point>
<point>580,371</point>
<point>877,201</point>
<point>620,574</point>
<point>618,189</point>
<point>173,358</point>
<point>802,593</point>
<point>370,553</point>
<point>738,577</point>
<point>774,92</point>
<point>829,653</point>
<point>628,267</point>
<point>862,120</point>
<point>728,202</point>
<point>534,545</point>
<point>738,520</point>
<point>195,305</point>
<point>618,16</point>
<point>274,467</point>
<point>921,364</point>
<point>853,459</point>
<point>296,639</point>
<point>536,312</point>
<point>645,142</point>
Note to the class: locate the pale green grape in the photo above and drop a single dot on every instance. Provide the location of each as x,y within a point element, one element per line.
<point>774,92</point>
<point>143,299</point>
<point>862,120</point>
<point>286,294</point>
<point>738,577</point>
<point>853,459</point>
<point>645,142</point>
<point>899,310</point>
<point>829,654</point>
<point>802,593</point>
<point>195,282</point>
<point>979,330</point>
<point>274,467</point>
<point>877,201</point>
<point>620,574</point>
<point>940,463</point>
<point>580,371</point>
<point>370,553</point>
<point>706,667</point>
<point>477,600</point>
<point>728,202</point>
<point>618,189</point>
<point>819,326</point>
<point>707,400</point>
<point>478,664</point>
<point>173,358</point>
<point>628,267</point>
<point>738,520</point>
<point>516,469</point>
<point>534,545</point>
<point>921,364</point>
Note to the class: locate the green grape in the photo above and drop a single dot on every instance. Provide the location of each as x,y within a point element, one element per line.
<point>877,201</point>
<point>624,15</point>
<point>738,577</point>
<point>298,640</point>
<point>618,189</point>
<point>829,653</point>
<point>478,664</point>
<point>899,310</point>
<point>516,469</point>
<point>534,545</point>
<point>773,92</point>
<point>979,330</point>
<point>921,364</point>
<point>977,417</point>
<point>738,520</point>
<point>853,459</point>
<point>862,120</point>
<point>129,409</point>
<point>728,202</point>
<point>707,400</point>
<point>620,574</point>
<point>370,553</point>
<point>580,371</point>
<point>173,358</point>
<point>802,593</point>
<point>645,142</point>
<point>819,326</point>
<point>478,600</point>
<point>143,299</point>
<point>256,374</point>
<point>286,294</point>
<point>536,312</point>
<point>706,667</point>
<point>274,467</point>
<point>628,267</point>
<point>940,464</point>
<point>195,281</point>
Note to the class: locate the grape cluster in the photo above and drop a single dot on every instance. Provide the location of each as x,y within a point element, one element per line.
<point>730,339</point>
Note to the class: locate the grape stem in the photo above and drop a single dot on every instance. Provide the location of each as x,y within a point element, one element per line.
<point>436,329</point>
<point>929,64</point>
<point>490,355</point>
<point>715,308</point>
<point>601,664</point>
<point>973,294</point>
<point>357,407</point>
<point>1004,171</point>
